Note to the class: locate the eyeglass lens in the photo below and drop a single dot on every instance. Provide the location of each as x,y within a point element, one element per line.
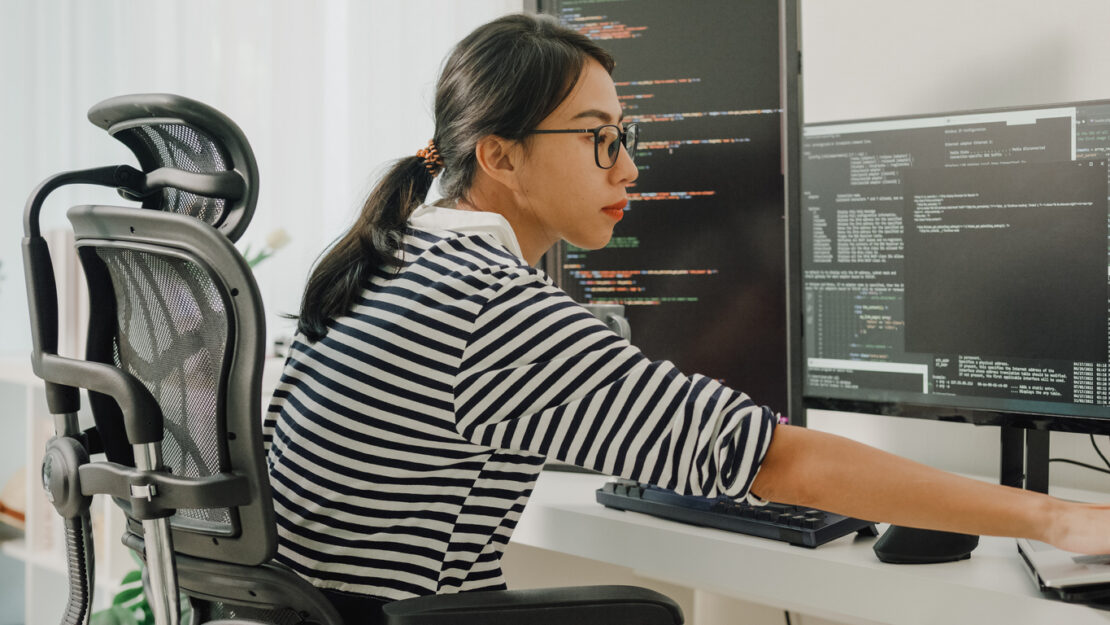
<point>608,143</point>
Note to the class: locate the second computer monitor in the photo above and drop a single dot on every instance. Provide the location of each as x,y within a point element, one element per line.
<point>958,262</point>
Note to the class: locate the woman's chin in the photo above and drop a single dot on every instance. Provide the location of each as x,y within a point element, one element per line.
<point>592,240</point>
<point>591,244</point>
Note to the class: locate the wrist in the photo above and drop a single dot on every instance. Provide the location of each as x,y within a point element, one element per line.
<point>1051,524</point>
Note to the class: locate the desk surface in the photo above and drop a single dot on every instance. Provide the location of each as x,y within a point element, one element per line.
<point>841,580</point>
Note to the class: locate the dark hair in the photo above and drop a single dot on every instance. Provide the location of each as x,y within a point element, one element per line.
<point>503,79</point>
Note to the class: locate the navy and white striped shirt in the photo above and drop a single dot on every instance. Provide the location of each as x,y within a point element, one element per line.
<point>404,444</point>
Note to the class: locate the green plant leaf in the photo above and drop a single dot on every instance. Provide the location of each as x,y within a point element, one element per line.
<point>127,594</point>
<point>130,607</point>
<point>115,615</point>
<point>147,616</point>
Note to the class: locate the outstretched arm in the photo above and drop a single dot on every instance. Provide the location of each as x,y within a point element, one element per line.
<point>829,472</point>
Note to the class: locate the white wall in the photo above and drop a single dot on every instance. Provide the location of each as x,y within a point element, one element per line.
<point>868,58</point>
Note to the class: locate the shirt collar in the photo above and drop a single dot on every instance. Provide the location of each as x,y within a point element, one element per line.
<point>429,217</point>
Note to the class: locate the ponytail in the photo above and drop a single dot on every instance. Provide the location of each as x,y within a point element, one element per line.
<point>502,79</point>
<point>344,270</point>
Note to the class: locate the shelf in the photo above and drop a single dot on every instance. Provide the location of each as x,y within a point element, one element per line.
<point>15,548</point>
<point>46,560</point>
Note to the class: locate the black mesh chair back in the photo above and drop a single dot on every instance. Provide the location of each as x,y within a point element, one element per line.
<point>179,311</point>
<point>173,336</point>
<point>189,326</point>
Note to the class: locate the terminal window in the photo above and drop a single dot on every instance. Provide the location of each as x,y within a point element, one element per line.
<point>960,260</point>
<point>699,258</point>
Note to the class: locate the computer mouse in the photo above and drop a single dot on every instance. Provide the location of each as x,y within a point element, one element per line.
<point>909,545</point>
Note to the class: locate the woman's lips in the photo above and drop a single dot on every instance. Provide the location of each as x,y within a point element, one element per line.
<point>616,210</point>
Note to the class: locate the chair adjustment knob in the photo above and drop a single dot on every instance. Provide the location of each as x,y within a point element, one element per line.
<point>60,464</point>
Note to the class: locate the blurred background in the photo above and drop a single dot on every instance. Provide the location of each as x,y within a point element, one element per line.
<point>330,91</point>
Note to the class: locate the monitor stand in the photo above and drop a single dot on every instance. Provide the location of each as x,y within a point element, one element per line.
<point>1024,459</point>
<point>1024,464</point>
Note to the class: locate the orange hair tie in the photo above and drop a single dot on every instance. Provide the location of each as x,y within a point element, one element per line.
<point>433,162</point>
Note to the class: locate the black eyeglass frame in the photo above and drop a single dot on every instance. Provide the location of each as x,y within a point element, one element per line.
<point>622,134</point>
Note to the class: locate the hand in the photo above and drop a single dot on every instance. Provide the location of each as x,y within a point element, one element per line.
<point>1080,528</point>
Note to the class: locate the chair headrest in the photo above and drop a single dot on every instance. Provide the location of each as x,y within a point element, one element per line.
<point>180,139</point>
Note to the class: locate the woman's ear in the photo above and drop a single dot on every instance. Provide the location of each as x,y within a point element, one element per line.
<point>499,158</point>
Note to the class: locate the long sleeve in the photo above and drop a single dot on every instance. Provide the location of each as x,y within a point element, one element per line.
<point>540,374</point>
<point>405,443</point>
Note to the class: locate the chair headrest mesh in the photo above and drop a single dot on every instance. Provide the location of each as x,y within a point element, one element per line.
<point>182,147</point>
<point>170,131</point>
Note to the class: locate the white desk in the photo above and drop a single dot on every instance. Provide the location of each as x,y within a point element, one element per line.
<point>841,580</point>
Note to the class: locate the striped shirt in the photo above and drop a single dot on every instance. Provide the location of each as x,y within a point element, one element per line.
<point>403,446</point>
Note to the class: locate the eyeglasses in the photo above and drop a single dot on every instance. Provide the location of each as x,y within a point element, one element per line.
<point>608,140</point>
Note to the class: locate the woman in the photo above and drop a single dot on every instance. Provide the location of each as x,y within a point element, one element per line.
<point>435,370</point>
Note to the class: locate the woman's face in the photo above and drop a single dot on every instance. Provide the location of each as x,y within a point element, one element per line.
<point>564,194</point>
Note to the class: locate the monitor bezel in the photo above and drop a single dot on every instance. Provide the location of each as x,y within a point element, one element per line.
<point>1031,420</point>
<point>974,111</point>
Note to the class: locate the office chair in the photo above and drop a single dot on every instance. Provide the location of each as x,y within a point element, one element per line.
<point>173,371</point>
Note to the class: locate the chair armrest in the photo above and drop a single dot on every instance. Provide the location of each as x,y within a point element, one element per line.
<point>582,605</point>
<point>142,416</point>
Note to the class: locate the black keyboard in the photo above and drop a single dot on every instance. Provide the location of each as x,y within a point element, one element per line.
<point>796,525</point>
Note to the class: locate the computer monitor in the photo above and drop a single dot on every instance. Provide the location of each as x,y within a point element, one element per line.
<point>955,266</point>
<point>699,259</point>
